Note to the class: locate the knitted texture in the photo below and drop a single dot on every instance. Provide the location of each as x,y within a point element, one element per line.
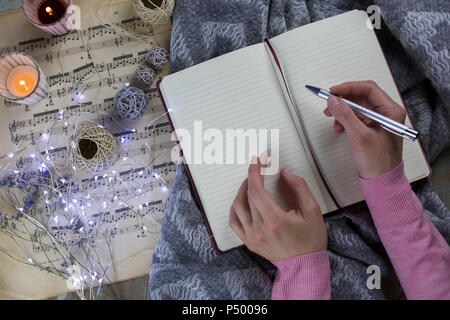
<point>414,37</point>
<point>130,103</point>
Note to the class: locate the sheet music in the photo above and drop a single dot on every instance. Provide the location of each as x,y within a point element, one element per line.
<point>95,63</point>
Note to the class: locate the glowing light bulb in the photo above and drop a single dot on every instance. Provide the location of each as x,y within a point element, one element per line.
<point>49,11</point>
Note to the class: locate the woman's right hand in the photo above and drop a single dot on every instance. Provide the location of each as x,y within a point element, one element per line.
<point>376,151</point>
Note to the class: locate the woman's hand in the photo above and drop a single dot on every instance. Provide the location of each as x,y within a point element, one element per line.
<point>268,230</point>
<point>375,150</point>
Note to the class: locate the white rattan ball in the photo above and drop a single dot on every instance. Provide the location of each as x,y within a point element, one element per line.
<point>95,148</point>
<point>158,57</point>
<point>154,11</point>
<point>130,103</point>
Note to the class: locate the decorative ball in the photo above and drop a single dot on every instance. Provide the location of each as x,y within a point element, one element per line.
<point>158,57</point>
<point>154,11</point>
<point>130,103</point>
<point>145,75</point>
<point>94,148</point>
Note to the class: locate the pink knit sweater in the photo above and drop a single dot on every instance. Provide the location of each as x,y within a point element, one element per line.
<point>419,254</point>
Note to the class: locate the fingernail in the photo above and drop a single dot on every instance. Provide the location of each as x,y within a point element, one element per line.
<point>287,171</point>
<point>264,159</point>
<point>253,160</point>
<point>332,102</point>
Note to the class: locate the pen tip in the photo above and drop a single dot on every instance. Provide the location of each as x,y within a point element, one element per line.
<point>313,89</point>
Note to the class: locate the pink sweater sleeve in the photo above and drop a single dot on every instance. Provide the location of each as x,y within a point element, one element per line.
<point>418,252</point>
<point>304,277</point>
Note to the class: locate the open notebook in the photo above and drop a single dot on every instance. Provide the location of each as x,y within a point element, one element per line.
<point>242,90</point>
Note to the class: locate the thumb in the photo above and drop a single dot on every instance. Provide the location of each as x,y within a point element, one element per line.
<point>345,116</point>
<point>303,195</point>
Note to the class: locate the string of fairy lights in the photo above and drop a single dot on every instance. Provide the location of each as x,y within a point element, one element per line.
<point>54,186</point>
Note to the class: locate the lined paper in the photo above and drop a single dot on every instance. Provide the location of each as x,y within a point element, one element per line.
<point>241,90</point>
<point>324,54</point>
<point>237,90</point>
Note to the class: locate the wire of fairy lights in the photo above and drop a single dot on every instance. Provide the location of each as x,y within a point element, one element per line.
<point>59,185</point>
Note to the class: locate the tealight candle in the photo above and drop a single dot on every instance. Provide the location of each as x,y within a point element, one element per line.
<point>50,11</point>
<point>21,79</point>
<point>49,15</point>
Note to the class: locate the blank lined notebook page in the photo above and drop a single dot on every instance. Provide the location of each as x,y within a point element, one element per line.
<point>236,90</point>
<point>327,53</point>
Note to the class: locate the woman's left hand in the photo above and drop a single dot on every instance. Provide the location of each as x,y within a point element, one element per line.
<point>268,230</point>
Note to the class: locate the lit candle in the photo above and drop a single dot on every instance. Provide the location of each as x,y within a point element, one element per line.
<point>50,11</point>
<point>22,80</point>
<point>50,15</point>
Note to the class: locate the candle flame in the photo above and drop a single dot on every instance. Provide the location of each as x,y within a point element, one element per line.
<point>24,84</point>
<point>49,11</point>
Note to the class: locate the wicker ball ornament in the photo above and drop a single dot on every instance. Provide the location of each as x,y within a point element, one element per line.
<point>145,75</point>
<point>158,57</point>
<point>130,103</point>
<point>95,148</point>
<point>154,11</point>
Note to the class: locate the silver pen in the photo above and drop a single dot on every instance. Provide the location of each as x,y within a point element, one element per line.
<point>386,123</point>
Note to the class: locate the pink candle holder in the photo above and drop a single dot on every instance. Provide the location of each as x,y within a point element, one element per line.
<point>34,10</point>
<point>21,79</point>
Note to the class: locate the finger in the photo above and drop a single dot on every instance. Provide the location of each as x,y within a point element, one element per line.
<point>243,200</point>
<point>258,197</point>
<point>255,178</point>
<point>370,95</point>
<point>368,89</point>
<point>338,128</point>
<point>241,206</point>
<point>345,116</point>
<point>307,204</point>
<point>236,225</point>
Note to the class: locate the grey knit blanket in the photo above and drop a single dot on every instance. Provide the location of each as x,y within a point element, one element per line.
<point>415,38</point>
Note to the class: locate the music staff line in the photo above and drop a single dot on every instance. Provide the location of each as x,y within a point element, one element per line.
<point>129,135</point>
<point>42,43</point>
<point>79,74</point>
<point>87,107</point>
